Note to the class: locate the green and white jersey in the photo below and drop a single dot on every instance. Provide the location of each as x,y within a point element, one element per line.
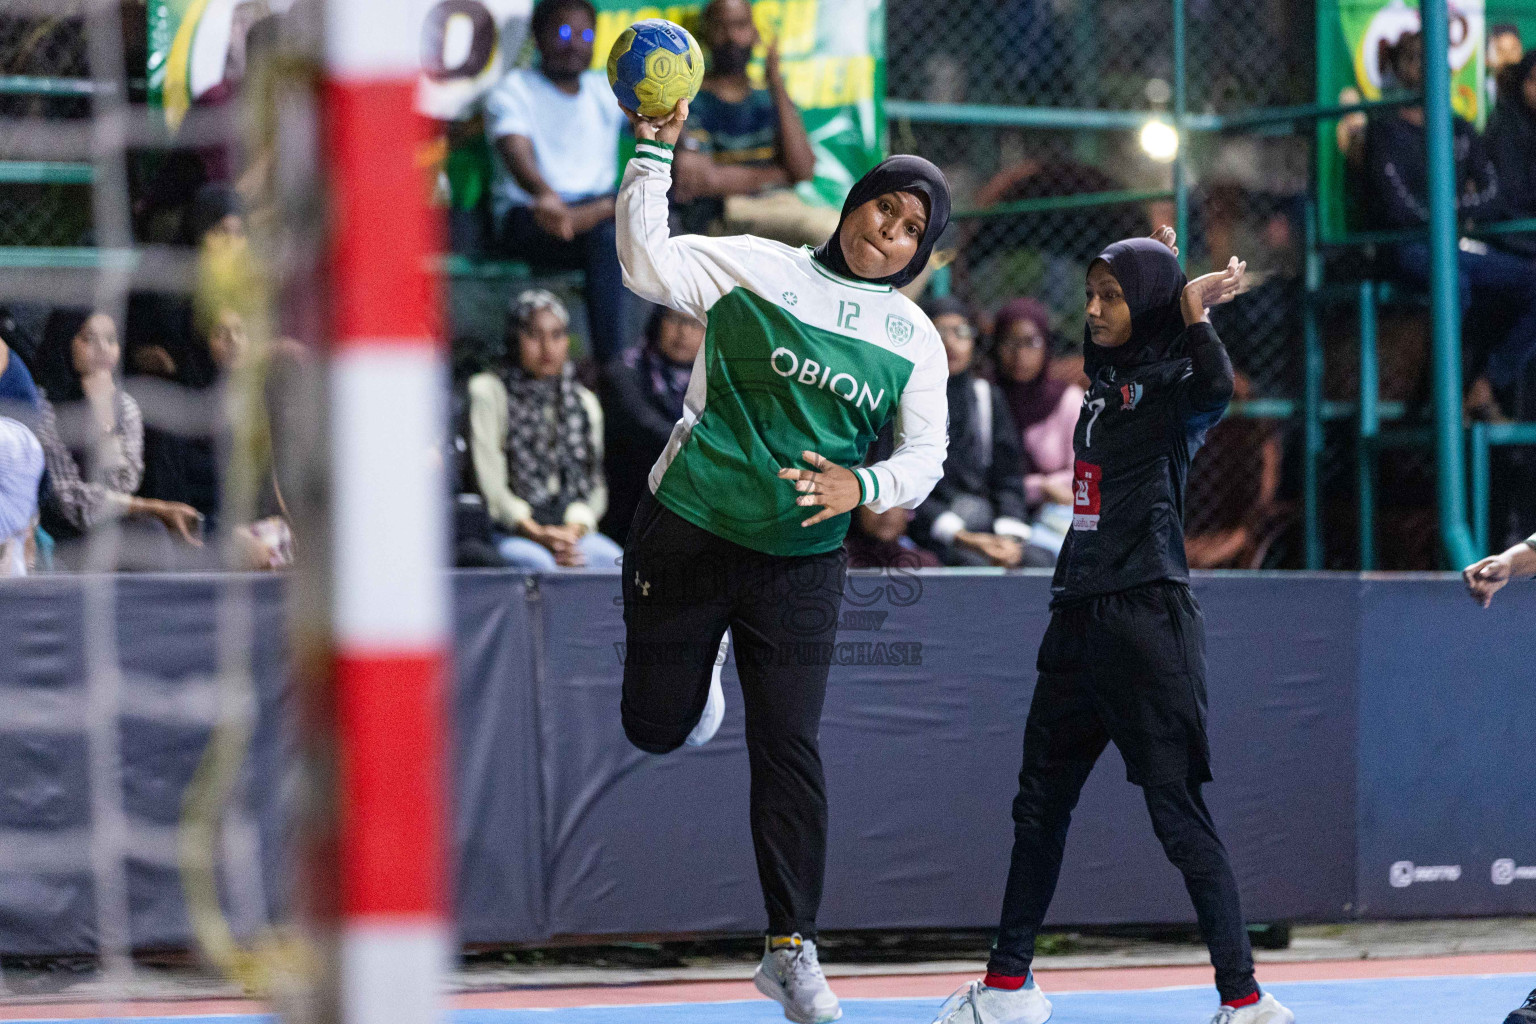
<point>795,358</point>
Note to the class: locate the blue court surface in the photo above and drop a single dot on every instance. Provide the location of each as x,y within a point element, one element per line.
<point>1463,999</point>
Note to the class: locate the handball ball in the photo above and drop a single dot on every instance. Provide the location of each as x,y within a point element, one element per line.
<point>653,65</point>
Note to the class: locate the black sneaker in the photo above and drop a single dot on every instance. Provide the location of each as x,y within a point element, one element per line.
<point>1526,1014</point>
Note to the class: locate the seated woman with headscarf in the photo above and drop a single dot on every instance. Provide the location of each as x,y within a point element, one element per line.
<point>536,442</point>
<point>643,393</point>
<point>92,435</point>
<point>1044,412</point>
<point>976,514</point>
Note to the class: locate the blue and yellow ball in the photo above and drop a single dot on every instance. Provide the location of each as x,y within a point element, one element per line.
<point>653,66</point>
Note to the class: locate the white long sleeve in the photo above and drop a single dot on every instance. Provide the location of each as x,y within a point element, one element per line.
<point>689,273</point>
<point>922,441</point>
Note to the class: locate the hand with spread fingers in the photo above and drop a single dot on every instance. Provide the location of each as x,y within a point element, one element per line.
<point>1212,290</point>
<point>829,485</point>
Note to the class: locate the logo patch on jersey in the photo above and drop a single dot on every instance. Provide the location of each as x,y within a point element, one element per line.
<point>1085,495</point>
<point>791,299</point>
<point>809,372</point>
<point>1130,394</point>
<point>898,329</point>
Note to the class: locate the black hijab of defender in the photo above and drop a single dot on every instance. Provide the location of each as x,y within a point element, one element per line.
<point>1151,281</point>
<point>903,173</point>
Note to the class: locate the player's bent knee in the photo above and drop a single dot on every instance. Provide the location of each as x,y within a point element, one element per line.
<point>651,739</point>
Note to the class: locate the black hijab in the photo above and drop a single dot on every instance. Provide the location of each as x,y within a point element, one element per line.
<point>56,373</point>
<point>1152,282</point>
<point>894,174</point>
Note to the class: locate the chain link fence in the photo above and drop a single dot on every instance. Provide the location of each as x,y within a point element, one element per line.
<point>1246,189</point>
<point>1247,198</point>
<point>37,54</point>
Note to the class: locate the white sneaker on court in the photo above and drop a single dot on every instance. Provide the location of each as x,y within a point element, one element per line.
<point>714,705</point>
<point>1266,1011</point>
<point>977,1003</point>
<point>791,974</point>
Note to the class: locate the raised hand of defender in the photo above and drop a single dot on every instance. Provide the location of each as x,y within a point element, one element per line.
<point>1210,290</point>
<point>1487,577</point>
<point>658,129</point>
<point>829,485</point>
<point>1167,236</point>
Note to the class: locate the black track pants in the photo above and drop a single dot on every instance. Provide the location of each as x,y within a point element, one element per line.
<point>683,586</point>
<point>1127,667</point>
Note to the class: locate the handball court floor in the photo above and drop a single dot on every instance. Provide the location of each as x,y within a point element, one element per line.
<point>1420,990</point>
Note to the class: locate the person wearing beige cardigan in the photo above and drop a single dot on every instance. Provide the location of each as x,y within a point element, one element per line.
<point>536,442</point>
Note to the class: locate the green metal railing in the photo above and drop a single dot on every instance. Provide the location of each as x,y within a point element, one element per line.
<point>1379,424</point>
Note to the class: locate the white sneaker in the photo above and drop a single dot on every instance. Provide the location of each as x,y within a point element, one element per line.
<point>714,705</point>
<point>1266,1011</point>
<point>977,1003</point>
<point>791,974</point>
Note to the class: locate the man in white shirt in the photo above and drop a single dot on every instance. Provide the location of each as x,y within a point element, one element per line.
<point>556,131</point>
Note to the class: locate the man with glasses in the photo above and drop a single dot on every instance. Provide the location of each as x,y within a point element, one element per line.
<point>556,130</point>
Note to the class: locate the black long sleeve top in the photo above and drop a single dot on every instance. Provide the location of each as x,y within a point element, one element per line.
<point>1139,429</point>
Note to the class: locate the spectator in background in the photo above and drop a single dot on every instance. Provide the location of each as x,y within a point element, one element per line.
<point>18,391</point>
<point>171,354</point>
<point>1512,137</point>
<point>1398,188</point>
<point>745,148</point>
<point>536,443</point>
<point>21,469</point>
<point>976,514</point>
<point>93,443</point>
<point>160,336</point>
<point>878,540</point>
<point>1044,410</point>
<point>1232,492</point>
<point>1505,49</point>
<point>642,400</point>
<point>556,131</point>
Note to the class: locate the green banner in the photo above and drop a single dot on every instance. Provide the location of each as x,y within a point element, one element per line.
<point>1351,35</point>
<point>832,53</point>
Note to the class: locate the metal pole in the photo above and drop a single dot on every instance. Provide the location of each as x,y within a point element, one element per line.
<point>1445,302</point>
<point>1370,425</point>
<point>1312,397</point>
<point>389,606</point>
<point>1481,483</point>
<point>1180,109</point>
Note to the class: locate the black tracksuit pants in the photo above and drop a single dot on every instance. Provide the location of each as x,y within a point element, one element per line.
<point>683,586</point>
<point>1127,667</point>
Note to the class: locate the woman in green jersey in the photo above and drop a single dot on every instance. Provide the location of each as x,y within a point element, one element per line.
<point>807,355</point>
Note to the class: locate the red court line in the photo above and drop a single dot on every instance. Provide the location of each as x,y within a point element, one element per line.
<point>914,986</point>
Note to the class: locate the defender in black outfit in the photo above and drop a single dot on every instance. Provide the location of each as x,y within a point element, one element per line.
<point>1124,657</point>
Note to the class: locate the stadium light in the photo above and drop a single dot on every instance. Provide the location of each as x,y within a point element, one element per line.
<point>1159,141</point>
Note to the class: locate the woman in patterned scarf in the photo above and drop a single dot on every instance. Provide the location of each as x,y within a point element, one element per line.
<point>536,440</point>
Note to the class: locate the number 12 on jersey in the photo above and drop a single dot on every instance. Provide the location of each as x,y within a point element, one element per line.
<point>847,313</point>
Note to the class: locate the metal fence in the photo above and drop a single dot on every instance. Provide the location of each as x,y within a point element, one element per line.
<point>1031,232</point>
<point>1037,198</point>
